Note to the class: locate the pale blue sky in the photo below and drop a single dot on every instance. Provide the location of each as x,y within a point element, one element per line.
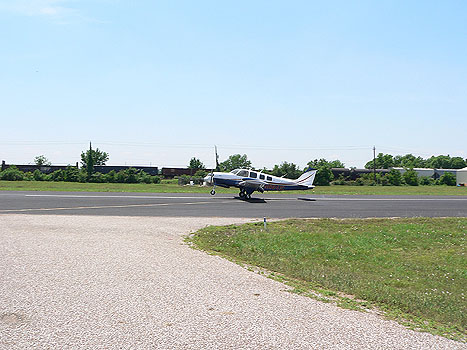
<point>159,82</point>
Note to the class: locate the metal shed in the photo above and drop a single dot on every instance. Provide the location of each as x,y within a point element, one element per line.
<point>461,177</point>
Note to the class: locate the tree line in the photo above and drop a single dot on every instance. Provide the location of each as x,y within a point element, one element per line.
<point>86,173</point>
<point>324,176</point>
<point>386,161</point>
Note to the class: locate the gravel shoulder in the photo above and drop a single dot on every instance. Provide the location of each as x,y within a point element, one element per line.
<point>89,282</point>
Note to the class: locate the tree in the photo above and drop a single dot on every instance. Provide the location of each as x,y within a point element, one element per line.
<point>234,162</point>
<point>385,161</point>
<point>196,164</point>
<point>336,164</point>
<point>289,170</point>
<point>440,162</point>
<point>90,158</point>
<point>409,161</point>
<point>41,161</point>
<point>94,157</point>
<point>382,161</point>
<point>317,163</point>
<point>458,163</point>
<point>324,175</point>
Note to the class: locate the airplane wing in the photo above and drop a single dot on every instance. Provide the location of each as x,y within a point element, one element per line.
<point>252,183</point>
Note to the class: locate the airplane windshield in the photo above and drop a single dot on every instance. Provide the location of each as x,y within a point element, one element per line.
<point>235,171</point>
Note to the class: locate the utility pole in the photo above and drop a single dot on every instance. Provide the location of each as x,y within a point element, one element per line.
<point>374,163</point>
<point>89,161</point>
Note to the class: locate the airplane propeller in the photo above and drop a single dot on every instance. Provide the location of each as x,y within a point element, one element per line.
<point>211,181</point>
<point>210,177</point>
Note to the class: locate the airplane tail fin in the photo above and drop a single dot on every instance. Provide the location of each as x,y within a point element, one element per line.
<point>307,178</point>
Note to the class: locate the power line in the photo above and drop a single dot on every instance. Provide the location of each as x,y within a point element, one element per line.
<point>167,145</point>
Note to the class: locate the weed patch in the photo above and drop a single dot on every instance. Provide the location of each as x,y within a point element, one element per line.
<point>415,270</point>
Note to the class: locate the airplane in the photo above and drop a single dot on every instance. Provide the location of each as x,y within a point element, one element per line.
<point>249,181</point>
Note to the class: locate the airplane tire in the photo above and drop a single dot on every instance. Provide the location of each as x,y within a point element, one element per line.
<point>213,193</point>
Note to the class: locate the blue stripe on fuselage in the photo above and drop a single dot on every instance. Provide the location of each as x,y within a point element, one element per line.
<point>267,187</point>
<point>284,187</point>
<point>226,182</point>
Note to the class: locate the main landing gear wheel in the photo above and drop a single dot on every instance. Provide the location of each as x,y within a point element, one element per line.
<point>244,195</point>
<point>213,192</point>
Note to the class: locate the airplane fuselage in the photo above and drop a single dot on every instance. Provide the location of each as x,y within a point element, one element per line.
<point>266,182</point>
<point>249,181</point>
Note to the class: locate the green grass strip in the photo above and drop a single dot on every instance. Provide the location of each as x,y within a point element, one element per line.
<point>413,269</point>
<point>171,186</point>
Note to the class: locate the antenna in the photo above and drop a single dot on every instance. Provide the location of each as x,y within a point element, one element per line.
<point>374,163</point>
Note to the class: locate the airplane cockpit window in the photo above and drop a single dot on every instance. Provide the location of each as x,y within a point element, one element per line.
<point>235,171</point>
<point>242,173</point>
<point>253,174</point>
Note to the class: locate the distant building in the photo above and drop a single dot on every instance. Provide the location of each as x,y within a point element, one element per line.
<point>353,174</point>
<point>103,169</point>
<point>46,169</point>
<point>170,173</point>
<point>461,178</point>
<point>433,173</point>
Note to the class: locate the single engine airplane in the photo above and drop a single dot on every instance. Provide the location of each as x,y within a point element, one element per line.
<point>249,181</point>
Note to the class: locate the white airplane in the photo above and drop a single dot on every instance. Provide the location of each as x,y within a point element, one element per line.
<point>249,181</point>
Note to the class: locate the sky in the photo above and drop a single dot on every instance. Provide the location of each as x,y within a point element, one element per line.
<point>159,82</point>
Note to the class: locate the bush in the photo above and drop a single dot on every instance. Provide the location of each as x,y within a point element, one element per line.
<point>447,179</point>
<point>411,177</point>
<point>71,174</point>
<point>57,175</point>
<point>426,181</point>
<point>37,175</point>
<point>156,179</point>
<point>128,176</point>
<point>341,180</point>
<point>185,180</point>
<point>144,177</point>
<point>83,176</point>
<point>201,173</point>
<point>359,182</point>
<point>28,176</point>
<point>12,174</point>
<point>394,177</point>
<point>111,176</point>
<point>385,181</point>
<point>97,178</point>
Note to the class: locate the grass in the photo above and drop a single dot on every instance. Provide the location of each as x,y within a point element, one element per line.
<point>171,186</point>
<point>413,270</point>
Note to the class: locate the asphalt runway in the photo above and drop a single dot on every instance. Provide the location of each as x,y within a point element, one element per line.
<point>227,205</point>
